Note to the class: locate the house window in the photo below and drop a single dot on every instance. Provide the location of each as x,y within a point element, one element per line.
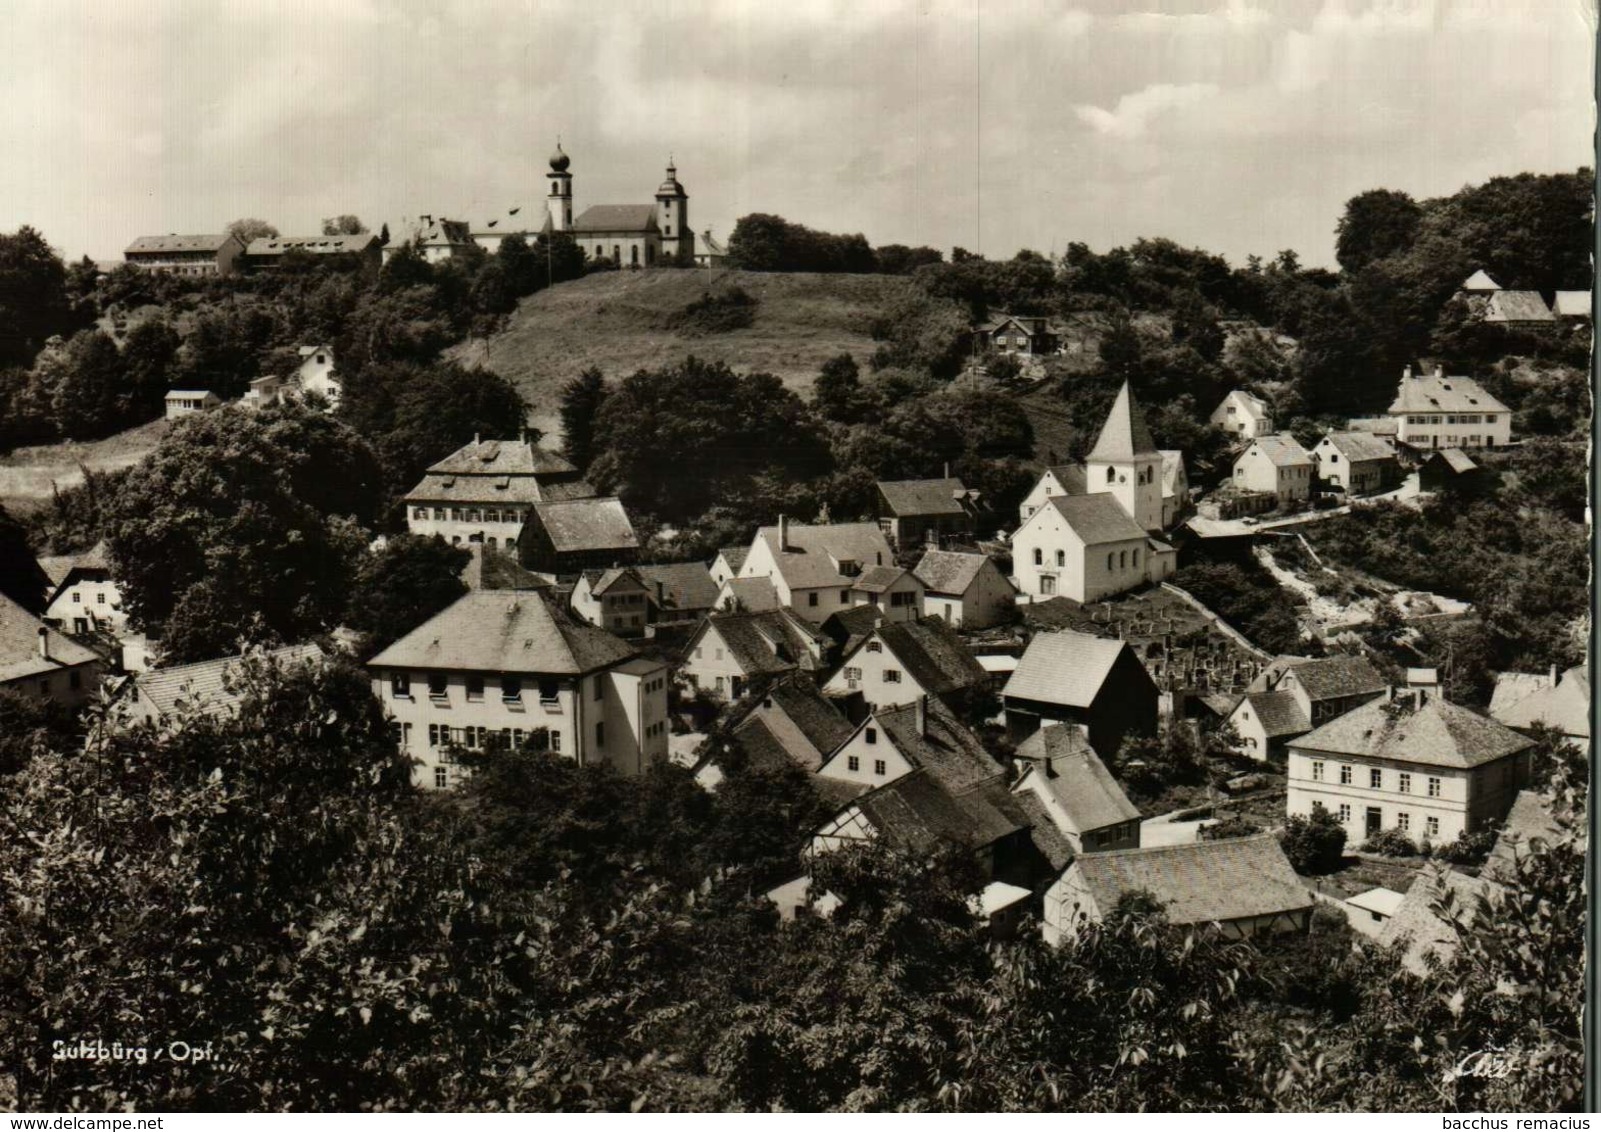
<point>436,735</point>
<point>1109,557</point>
<point>878,767</point>
<point>1345,813</point>
<point>872,735</point>
<point>555,741</point>
<point>1039,558</point>
<point>75,680</point>
<point>875,646</point>
<point>811,598</point>
<point>852,675</point>
<point>1317,771</point>
<point>400,685</point>
<point>475,688</point>
<point>892,675</point>
<point>441,778</point>
<point>1404,782</point>
<point>1345,776</point>
<point>720,683</point>
<point>1122,559</point>
<point>1375,778</point>
<point>1432,826</point>
<point>600,735</point>
<point>511,689</point>
<point>1434,787</point>
<point>1403,821</point>
<point>852,763</point>
<point>1110,475</point>
<point>77,598</point>
<point>1134,557</point>
<point>438,685</point>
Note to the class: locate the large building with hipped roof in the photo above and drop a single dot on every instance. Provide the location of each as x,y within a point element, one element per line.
<point>485,491</point>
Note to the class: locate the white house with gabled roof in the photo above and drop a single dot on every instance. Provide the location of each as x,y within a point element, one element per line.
<point>1276,464</point>
<point>964,590</point>
<point>813,569</point>
<point>1243,415</point>
<point>1439,411</point>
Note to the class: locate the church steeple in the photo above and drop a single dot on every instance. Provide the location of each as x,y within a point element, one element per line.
<point>672,216</point>
<point>560,201</point>
<point>1126,463</point>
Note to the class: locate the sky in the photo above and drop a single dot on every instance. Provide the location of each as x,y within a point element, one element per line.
<point>994,125</point>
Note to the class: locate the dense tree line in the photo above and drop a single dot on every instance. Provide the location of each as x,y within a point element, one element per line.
<point>764,242</point>
<point>569,939</point>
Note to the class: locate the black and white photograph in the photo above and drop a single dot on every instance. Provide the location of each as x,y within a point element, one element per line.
<point>872,556</point>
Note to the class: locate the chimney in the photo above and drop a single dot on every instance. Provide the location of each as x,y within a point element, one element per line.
<point>477,438</point>
<point>1439,372</point>
<point>921,707</point>
<point>1552,676</point>
<point>947,469</point>
<point>783,533</point>
<point>1408,374</point>
<point>44,642</point>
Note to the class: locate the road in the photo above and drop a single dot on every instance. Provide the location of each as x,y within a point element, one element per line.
<point>1218,528</point>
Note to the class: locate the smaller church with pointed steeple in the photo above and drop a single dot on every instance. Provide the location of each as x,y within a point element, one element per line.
<point>1089,531</point>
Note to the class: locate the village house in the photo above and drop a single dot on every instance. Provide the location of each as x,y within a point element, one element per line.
<point>1058,479</point>
<point>1523,310</point>
<point>435,240</point>
<point>1022,335</point>
<point>1523,700</point>
<point>727,563</point>
<point>1092,682</point>
<point>1175,487</point>
<point>485,491</point>
<point>86,599</point>
<point>791,724</point>
<point>1060,768</point>
<point>616,600</point>
<point>1245,885</point>
<point>1276,465</point>
<point>681,593</point>
<point>1243,415</point>
<point>899,663</point>
<point>966,591</point>
<point>895,593</point>
<point>167,697</point>
<point>36,660</point>
<point>266,253</point>
<point>709,252</point>
<point>186,255</point>
<point>184,402</point>
<point>925,511</point>
<point>1358,463</point>
<point>1436,411</point>
<point>748,595</point>
<point>813,568</point>
<point>1415,763</point>
<point>314,375</point>
<point>498,667</point>
<point>567,536</point>
<point>729,650</point>
<point>1575,305</point>
<point>1331,686</point>
<point>848,628</point>
<point>1265,721</point>
<point>1447,469</point>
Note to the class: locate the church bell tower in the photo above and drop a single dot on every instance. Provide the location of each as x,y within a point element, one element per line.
<point>560,201</point>
<point>672,216</point>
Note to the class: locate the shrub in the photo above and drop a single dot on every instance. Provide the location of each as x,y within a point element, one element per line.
<point>1391,843</point>
<point>1235,825</point>
<point>1469,849</point>
<point>1313,844</point>
<point>729,309</point>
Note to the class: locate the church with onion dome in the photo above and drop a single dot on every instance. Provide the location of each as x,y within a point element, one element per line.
<point>631,235</point>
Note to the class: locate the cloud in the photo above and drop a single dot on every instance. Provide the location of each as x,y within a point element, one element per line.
<point>1134,112</point>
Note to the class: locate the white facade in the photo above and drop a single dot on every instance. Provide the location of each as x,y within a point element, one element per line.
<point>988,600</point>
<point>868,758</point>
<point>90,603</point>
<point>1136,485</point>
<point>1422,801</point>
<point>456,524</point>
<point>624,609</point>
<point>875,672</point>
<point>184,402</point>
<point>901,601</point>
<point>1049,484</point>
<point>1050,559</point>
<point>1454,430</point>
<point>1256,470</point>
<point>1243,415</point>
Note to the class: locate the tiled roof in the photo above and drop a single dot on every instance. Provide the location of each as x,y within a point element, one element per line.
<point>1250,402</point>
<point>1480,281</point>
<point>808,562</point>
<point>1572,304</point>
<point>1437,734</point>
<point>918,812</point>
<point>735,556</point>
<point>1528,822</point>
<point>1124,434</point>
<point>923,497</point>
<point>1282,450</point>
<point>1073,478</point>
<point>504,631</point>
<point>202,686</point>
<point>1065,764</point>
<point>948,571</point>
<point>685,585</point>
<point>481,491</point>
<point>316,245</point>
<point>616,218</point>
<point>60,570</point>
<point>812,713</point>
<point>19,645</point>
<point>499,570</point>
<point>502,458</point>
<point>1517,306</point>
<point>167,244</point>
<point>1097,519</point>
<point>850,627</point>
<point>1424,933</point>
<point>1199,882</point>
<point>1064,668</point>
<point>1455,459</point>
<point>1564,706</point>
<point>1358,446</point>
<point>765,643</point>
<point>1428,393</point>
<point>943,746</point>
<point>1051,842</point>
<point>574,525</point>
<point>756,595</point>
<point>932,654</point>
<point>1332,677</point>
<point>1279,712</point>
<point>877,579</point>
<point>1378,426</point>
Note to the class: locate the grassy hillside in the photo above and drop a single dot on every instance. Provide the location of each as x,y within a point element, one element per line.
<point>28,474</point>
<point>621,322</point>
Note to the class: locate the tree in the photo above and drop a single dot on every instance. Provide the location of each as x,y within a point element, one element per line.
<point>33,295</point>
<point>21,578</point>
<point>1314,844</point>
<point>149,357</point>
<point>837,393</point>
<point>88,387</point>
<point>250,229</point>
<point>239,516</point>
<point>403,583</point>
<point>1376,224</point>
<point>581,401</point>
<point>343,225</point>
<point>383,235</point>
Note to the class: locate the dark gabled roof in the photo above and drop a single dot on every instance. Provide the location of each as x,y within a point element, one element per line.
<point>943,746</point>
<point>923,497</point>
<point>735,556</point>
<point>948,571</point>
<point>19,645</point>
<point>915,811</point>
<point>769,642</point>
<point>812,713</point>
<point>150,245</point>
<point>1454,458</point>
<point>1279,712</point>
<point>505,631</point>
<point>1064,668</point>
<point>685,585</point>
<point>1096,519</point>
<point>576,525</point>
<point>1051,842</point>
<point>757,595</point>
<point>267,246</point>
<point>1333,677</point>
<point>1359,446</point>
<point>1074,478</point>
<point>1517,306</point>
<point>1417,926</point>
<point>1199,882</point>
<point>877,579</point>
<point>850,627</point>
<point>616,218</point>
<point>933,655</point>
<point>1124,435</point>
<point>1061,758</point>
<point>809,560</point>
<point>203,686</point>
<point>1437,734</point>
<point>1441,393</point>
<point>502,458</point>
<point>1282,450</point>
